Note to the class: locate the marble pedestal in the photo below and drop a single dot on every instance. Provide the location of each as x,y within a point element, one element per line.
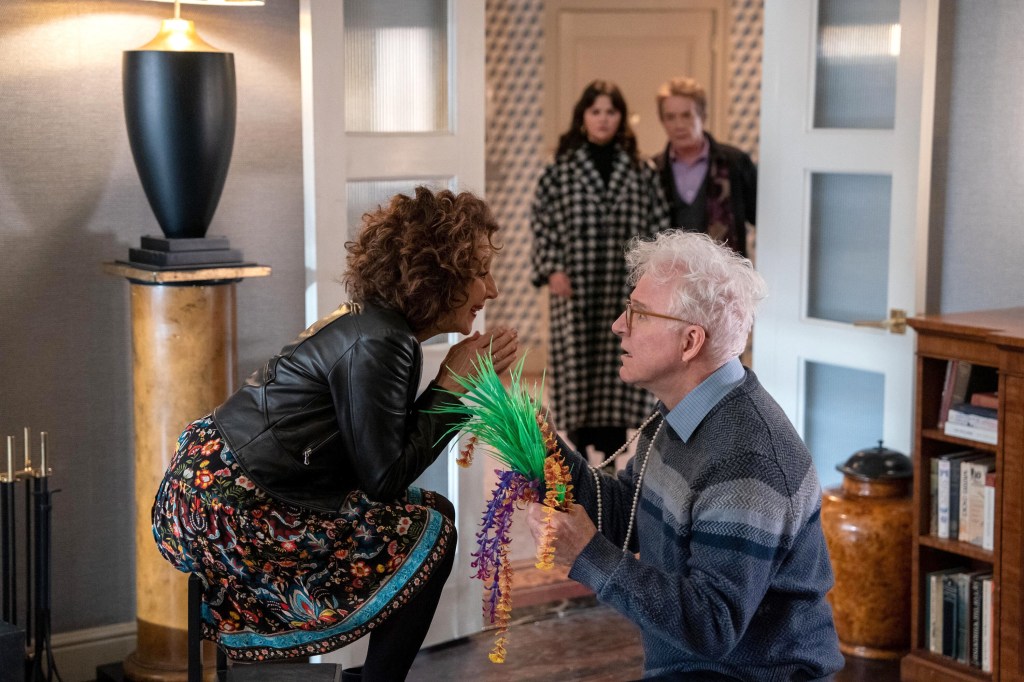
<point>183,357</point>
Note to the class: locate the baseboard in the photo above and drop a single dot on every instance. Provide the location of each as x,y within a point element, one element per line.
<point>78,653</point>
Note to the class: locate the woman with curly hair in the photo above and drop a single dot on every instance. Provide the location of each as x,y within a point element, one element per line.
<point>292,501</point>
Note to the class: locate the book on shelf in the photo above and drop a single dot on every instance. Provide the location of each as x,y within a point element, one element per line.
<point>962,637</point>
<point>971,525</point>
<point>948,491</point>
<point>976,612</point>
<point>986,399</point>
<point>958,622</point>
<point>989,527</point>
<point>957,374</point>
<point>963,380</point>
<point>973,415</point>
<point>934,585</point>
<point>950,627</point>
<point>982,435</point>
<point>987,623</point>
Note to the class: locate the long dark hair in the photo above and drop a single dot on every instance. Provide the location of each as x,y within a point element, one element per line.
<point>575,137</point>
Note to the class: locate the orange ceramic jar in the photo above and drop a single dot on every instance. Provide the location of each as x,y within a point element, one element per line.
<point>867,525</point>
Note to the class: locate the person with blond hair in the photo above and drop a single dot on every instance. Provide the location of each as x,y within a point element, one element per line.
<point>709,186</point>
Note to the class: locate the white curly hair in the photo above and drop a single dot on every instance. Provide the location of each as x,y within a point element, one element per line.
<point>712,285</point>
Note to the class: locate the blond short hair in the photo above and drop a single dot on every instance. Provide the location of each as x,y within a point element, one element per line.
<point>684,87</point>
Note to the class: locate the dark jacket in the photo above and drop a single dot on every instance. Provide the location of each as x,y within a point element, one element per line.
<point>335,411</point>
<point>731,179</point>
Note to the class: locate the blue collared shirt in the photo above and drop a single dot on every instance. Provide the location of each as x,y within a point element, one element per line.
<point>691,410</point>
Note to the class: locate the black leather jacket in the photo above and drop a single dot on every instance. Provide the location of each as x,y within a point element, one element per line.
<point>336,410</point>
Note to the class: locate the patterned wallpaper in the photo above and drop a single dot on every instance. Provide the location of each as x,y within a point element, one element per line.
<point>516,155</point>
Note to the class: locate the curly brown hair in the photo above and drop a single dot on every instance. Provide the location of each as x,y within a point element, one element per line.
<point>418,254</point>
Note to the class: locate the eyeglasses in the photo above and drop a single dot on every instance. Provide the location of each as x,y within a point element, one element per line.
<point>630,312</point>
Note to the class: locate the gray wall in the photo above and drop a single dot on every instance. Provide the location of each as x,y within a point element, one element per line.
<point>70,200</point>
<point>979,158</point>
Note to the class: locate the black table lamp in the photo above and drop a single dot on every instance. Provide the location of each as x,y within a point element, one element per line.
<point>179,105</point>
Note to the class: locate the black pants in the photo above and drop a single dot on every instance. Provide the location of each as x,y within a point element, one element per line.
<point>394,643</point>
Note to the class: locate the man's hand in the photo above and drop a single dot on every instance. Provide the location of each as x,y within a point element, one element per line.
<point>573,530</point>
<point>503,344</point>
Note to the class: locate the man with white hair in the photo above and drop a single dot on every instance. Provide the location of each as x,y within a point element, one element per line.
<point>710,540</point>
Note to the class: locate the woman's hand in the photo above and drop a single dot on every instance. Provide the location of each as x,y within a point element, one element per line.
<point>503,344</point>
<point>560,285</point>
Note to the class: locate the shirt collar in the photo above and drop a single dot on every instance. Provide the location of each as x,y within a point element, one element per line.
<point>685,417</point>
<point>704,154</point>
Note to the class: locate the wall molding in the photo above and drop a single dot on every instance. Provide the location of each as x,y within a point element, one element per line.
<point>77,653</point>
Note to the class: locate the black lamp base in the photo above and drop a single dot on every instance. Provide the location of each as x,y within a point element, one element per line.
<point>161,253</point>
<point>179,108</point>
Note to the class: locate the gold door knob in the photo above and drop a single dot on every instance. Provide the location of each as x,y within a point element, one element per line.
<point>896,324</point>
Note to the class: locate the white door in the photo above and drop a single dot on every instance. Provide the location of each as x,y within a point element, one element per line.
<point>637,45</point>
<point>393,97</point>
<point>844,175</point>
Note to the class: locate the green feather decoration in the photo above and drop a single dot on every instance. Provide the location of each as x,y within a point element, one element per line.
<point>504,419</point>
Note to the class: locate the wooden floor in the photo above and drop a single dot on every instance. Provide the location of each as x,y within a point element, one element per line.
<point>569,639</point>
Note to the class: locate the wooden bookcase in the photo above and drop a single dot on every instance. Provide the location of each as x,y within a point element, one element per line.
<point>993,338</point>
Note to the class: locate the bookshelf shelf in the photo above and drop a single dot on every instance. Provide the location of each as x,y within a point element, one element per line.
<point>935,434</point>
<point>992,340</point>
<point>963,549</point>
<point>929,666</point>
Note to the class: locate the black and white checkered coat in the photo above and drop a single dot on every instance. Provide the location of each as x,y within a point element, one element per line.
<point>582,229</point>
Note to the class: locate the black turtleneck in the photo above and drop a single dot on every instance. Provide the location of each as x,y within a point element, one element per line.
<point>603,156</point>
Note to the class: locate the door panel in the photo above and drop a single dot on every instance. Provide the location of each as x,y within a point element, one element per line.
<point>842,216</point>
<point>848,246</point>
<point>844,412</point>
<point>393,97</point>
<point>638,46</point>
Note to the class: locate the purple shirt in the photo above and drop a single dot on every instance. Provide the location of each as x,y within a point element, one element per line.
<point>689,177</point>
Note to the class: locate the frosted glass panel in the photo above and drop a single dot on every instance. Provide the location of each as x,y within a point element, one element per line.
<point>367,195</point>
<point>858,46</point>
<point>843,414</point>
<point>396,66</point>
<point>849,259</point>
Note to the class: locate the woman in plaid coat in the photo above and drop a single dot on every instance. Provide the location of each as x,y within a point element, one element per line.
<point>589,203</point>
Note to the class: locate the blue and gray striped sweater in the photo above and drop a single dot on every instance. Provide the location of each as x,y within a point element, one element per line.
<point>732,571</point>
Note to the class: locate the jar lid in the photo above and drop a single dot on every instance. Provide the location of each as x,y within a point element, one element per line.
<point>877,463</point>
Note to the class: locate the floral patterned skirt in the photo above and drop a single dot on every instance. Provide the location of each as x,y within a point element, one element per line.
<point>280,580</point>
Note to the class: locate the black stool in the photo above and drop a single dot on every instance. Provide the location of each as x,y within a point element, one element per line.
<point>250,672</point>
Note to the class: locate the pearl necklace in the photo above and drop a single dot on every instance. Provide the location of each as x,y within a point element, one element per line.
<point>640,477</point>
